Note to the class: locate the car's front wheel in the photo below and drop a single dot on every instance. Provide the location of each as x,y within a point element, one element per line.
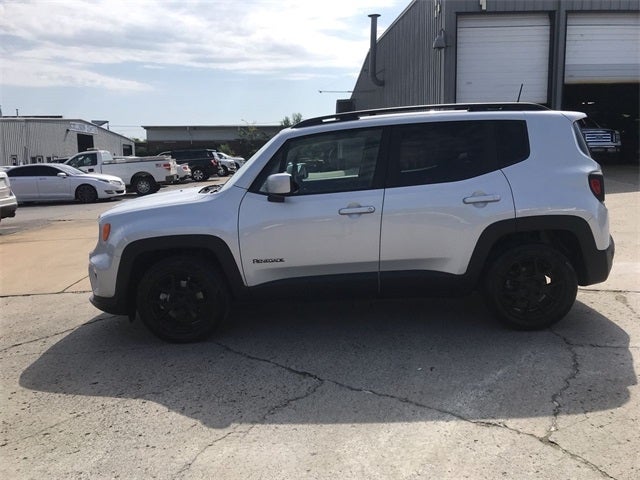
<point>530,286</point>
<point>182,299</point>
<point>86,194</point>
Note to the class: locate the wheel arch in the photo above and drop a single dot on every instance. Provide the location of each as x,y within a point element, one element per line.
<point>570,235</point>
<point>83,185</point>
<point>140,255</point>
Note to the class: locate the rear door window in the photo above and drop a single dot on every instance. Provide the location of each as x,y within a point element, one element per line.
<point>440,152</point>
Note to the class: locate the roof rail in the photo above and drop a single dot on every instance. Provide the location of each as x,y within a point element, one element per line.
<point>469,107</point>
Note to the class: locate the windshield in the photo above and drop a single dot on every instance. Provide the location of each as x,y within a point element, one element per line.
<point>69,170</point>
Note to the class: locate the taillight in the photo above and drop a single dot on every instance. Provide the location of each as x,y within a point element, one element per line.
<point>596,184</point>
<point>214,162</point>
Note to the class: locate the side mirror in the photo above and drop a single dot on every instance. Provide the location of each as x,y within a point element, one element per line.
<point>62,175</point>
<point>278,185</point>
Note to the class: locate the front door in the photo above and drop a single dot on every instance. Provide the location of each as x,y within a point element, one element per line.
<point>329,227</point>
<point>53,187</point>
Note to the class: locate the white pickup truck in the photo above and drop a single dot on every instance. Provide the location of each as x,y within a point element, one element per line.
<point>143,175</point>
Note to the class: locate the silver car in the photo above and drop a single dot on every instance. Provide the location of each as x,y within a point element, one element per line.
<point>8,201</point>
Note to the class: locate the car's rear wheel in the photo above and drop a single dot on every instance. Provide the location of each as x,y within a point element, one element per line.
<point>530,287</point>
<point>182,299</point>
<point>199,175</point>
<point>86,194</point>
<point>145,185</point>
<point>223,171</point>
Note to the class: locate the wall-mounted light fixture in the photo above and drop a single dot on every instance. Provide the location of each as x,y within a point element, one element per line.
<point>440,42</point>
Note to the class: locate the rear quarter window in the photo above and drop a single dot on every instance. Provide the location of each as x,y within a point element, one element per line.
<point>582,143</point>
<point>512,141</point>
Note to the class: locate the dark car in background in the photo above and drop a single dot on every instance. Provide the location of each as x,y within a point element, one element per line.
<point>600,140</point>
<point>202,162</point>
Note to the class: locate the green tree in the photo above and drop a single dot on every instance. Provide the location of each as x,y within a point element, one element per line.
<point>287,122</point>
<point>251,139</point>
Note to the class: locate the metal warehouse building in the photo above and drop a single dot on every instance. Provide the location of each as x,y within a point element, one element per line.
<point>43,139</point>
<point>572,54</point>
<point>160,138</point>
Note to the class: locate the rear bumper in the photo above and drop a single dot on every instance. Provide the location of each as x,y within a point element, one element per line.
<point>8,210</point>
<point>598,264</point>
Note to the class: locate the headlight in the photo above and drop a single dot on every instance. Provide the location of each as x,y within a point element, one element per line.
<point>115,182</point>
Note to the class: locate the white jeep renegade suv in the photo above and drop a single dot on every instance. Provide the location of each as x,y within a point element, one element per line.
<point>500,198</point>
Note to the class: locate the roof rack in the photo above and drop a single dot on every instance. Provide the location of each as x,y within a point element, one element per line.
<point>469,107</point>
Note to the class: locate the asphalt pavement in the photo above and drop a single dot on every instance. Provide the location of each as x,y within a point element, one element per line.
<point>356,389</point>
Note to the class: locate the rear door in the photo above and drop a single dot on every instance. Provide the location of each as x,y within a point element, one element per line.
<point>444,188</point>
<point>24,182</point>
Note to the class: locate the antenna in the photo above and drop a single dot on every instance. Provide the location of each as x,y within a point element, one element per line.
<point>520,92</point>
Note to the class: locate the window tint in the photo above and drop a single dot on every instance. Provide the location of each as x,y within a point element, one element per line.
<point>327,163</point>
<point>438,152</point>
<point>32,171</point>
<point>582,142</point>
<point>512,141</point>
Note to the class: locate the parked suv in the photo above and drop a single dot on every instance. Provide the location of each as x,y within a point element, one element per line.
<point>226,164</point>
<point>499,198</point>
<point>202,162</point>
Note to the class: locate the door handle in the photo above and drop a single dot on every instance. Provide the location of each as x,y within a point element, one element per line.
<point>475,199</point>
<point>356,210</point>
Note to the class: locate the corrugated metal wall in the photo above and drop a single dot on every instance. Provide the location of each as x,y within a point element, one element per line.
<point>415,73</point>
<point>30,138</point>
<point>406,61</point>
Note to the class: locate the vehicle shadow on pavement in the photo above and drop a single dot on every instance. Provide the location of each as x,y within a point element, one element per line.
<point>350,362</point>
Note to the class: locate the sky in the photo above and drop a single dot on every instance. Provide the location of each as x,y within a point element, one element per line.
<point>205,62</point>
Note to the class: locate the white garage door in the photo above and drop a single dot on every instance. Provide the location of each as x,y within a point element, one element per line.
<point>498,53</point>
<point>602,48</point>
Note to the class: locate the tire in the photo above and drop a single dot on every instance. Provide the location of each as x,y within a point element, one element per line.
<point>86,194</point>
<point>145,185</point>
<point>530,287</point>
<point>182,299</point>
<point>223,171</point>
<point>199,175</point>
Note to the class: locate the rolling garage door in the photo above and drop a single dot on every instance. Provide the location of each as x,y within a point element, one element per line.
<point>602,48</point>
<point>498,53</point>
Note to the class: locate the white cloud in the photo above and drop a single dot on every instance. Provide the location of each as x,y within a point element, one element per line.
<point>87,42</point>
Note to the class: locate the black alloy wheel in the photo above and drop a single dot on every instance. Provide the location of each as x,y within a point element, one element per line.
<point>182,299</point>
<point>531,287</point>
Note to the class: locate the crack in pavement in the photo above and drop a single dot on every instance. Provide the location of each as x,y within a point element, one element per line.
<point>243,433</point>
<point>545,440</point>
<point>555,398</point>
<point>623,300</point>
<point>56,334</point>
